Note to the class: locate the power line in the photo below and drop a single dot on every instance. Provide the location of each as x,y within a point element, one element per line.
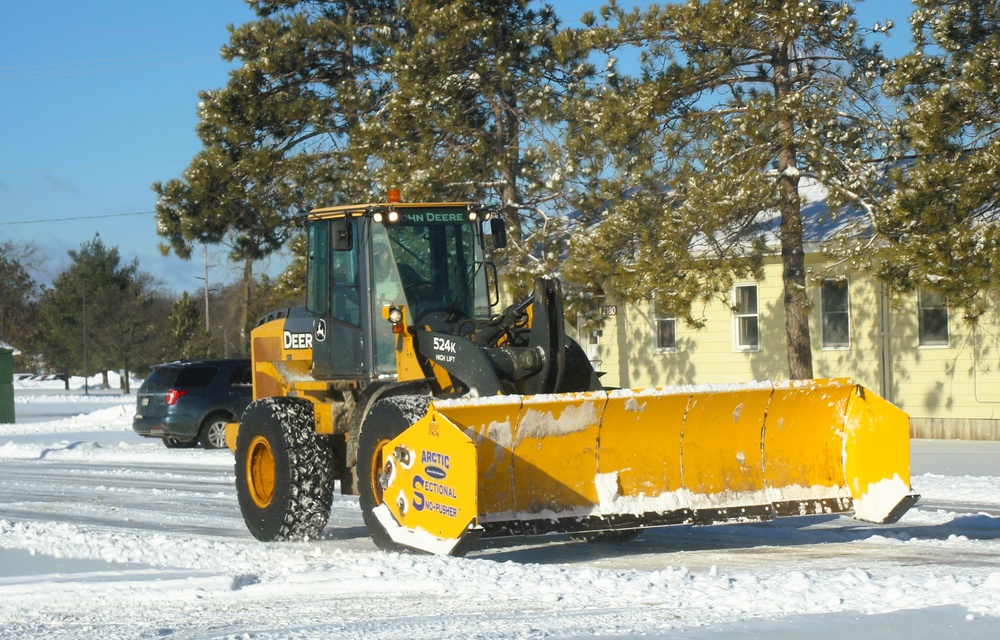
<point>104,215</point>
<point>90,166</point>
<point>106,65</point>
<point>78,63</point>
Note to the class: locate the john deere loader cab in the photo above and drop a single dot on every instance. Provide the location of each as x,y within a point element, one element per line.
<point>425,265</point>
<point>454,419</point>
<point>426,261</point>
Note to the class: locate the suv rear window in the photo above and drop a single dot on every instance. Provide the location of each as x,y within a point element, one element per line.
<point>160,378</point>
<point>194,377</point>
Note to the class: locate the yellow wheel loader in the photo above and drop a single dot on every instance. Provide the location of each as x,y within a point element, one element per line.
<point>452,420</point>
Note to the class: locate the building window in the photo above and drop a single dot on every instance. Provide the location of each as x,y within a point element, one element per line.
<point>745,322</point>
<point>932,318</point>
<point>836,314</point>
<point>664,331</point>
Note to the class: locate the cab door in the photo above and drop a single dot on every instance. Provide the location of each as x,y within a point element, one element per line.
<point>334,298</point>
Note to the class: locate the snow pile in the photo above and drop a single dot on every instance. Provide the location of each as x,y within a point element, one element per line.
<point>76,383</point>
<point>113,418</point>
<point>973,490</point>
<point>66,398</point>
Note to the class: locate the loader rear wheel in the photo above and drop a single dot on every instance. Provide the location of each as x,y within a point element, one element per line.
<point>284,478</point>
<point>387,419</point>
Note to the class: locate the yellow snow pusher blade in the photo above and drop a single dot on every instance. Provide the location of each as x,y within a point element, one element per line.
<point>606,461</point>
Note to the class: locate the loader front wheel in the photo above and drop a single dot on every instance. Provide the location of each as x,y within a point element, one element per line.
<point>387,419</point>
<point>284,478</point>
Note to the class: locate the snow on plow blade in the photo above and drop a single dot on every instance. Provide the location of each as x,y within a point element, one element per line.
<point>618,460</point>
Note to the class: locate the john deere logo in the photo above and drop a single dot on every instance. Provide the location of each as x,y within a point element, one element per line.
<point>297,340</point>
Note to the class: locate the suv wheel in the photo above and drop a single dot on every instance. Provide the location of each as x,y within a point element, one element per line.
<point>212,434</point>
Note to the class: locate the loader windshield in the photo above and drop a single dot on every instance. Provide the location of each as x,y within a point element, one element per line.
<point>439,262</point>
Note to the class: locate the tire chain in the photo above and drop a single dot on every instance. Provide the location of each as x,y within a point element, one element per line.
<point>309,470</point>
<point>412,408</point>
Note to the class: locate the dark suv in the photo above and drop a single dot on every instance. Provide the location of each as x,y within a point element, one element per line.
<point>190,402</point>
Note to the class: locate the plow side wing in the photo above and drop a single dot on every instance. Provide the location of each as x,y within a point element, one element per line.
<point>607,460</point>
<point>877,458</point>
<point>430,488</point>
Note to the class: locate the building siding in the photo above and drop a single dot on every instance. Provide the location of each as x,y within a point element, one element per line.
<point>949,391</point>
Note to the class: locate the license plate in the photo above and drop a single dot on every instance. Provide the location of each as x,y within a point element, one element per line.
<point>145,402</point>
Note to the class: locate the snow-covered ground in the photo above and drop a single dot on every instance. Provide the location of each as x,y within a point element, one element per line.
<point>104,534</point>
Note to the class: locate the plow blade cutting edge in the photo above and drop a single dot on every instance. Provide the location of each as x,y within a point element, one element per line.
<point>624,460</point>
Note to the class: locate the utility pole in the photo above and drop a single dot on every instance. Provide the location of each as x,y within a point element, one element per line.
<point>86,373</point>
<point>207,330</point>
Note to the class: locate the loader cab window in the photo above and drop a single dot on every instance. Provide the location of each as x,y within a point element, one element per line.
<point>387,289</point>
<point>440,265</point>
<point>345,296</point>
<point>432,262</point>
<point>318,268</point>
<point>332,281</point>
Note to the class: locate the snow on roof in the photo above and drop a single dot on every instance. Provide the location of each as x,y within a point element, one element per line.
<point>819,224</point>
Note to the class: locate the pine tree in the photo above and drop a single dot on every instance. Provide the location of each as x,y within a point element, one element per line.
<point>474,83</point>
<point>734,103</point>
<point>277,138</point>
<point>127,332</point>
<point>474,115</point>
<point>940,226</point>
<point>18,299</point>
<point>98,313</point>
<point>338,102</point>
<point>291,284</point>
<point>188,338</point>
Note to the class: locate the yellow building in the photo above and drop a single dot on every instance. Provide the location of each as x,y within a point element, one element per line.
<point>914,351</point>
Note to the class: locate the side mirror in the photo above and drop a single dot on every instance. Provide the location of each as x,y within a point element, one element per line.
<point>499,232</point>
<point>343,239</point>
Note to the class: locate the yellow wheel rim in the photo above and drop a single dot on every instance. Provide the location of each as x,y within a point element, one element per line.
<point>260,471</point>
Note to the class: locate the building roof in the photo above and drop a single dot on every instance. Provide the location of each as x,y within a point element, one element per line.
<point>819,224</point>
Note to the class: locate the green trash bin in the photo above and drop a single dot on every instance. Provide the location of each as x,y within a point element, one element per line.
<point>6,386</point>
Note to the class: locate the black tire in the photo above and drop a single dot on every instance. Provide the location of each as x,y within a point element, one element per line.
<point>284,477</point>
<point>212,433</point>
<point>387,419</point>
<point>171,442</point>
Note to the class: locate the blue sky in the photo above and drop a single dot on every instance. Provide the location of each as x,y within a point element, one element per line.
<point>97,102</point>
